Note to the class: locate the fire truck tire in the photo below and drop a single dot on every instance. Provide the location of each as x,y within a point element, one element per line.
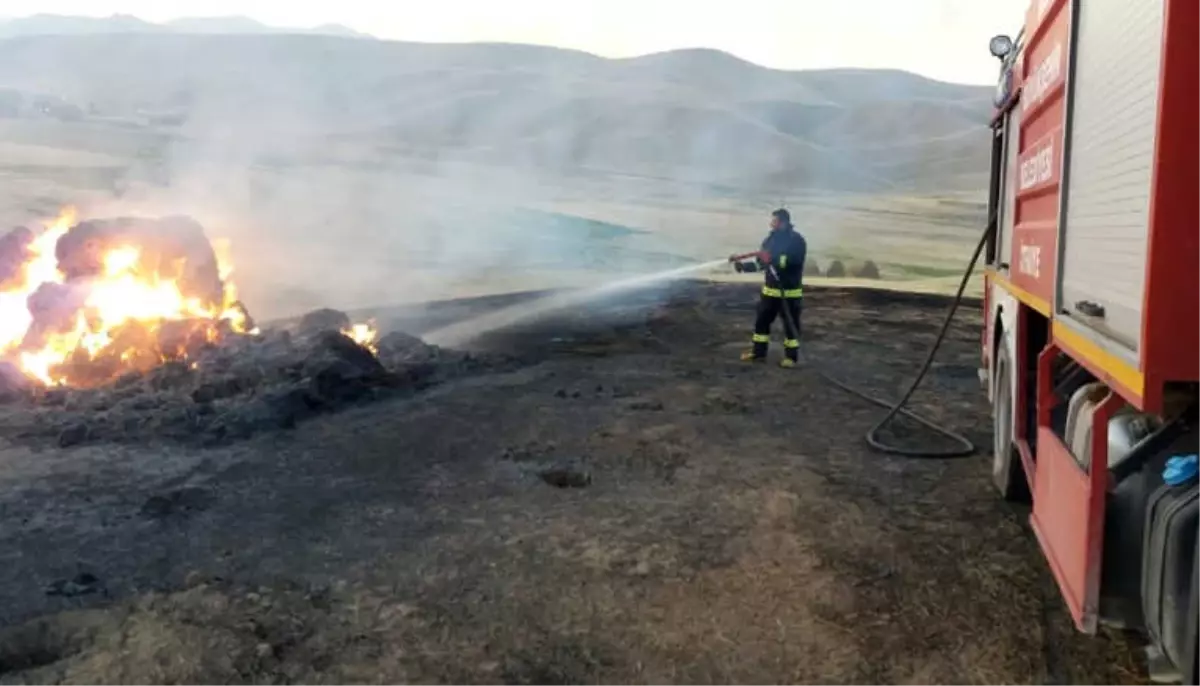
<point>1007,472</point>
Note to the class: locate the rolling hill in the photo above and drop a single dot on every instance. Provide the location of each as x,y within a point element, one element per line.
<point>696,115</point>
<point>64,25</point>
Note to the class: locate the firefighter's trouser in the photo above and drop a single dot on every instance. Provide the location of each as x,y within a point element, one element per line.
<point>769,306</point>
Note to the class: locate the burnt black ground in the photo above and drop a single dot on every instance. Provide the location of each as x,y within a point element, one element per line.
<point>622,501</point>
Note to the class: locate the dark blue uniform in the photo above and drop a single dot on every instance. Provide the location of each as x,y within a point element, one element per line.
<point>784,287</point>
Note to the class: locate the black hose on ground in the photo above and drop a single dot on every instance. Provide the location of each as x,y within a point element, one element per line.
<point>872,436</point>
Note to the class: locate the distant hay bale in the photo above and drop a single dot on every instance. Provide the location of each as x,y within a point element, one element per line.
<point>836,270</point>
<point>811,268</point>
<point>867,270</point>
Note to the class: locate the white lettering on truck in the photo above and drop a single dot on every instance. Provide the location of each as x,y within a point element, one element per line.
<point>1038,168</point>
<point>1031,260</point>
<point>1043,77</point>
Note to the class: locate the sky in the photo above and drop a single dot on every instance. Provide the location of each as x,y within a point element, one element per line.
<point>941,39</point>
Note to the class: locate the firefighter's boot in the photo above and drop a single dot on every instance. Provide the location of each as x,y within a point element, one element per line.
<point>749,356</point>
<point>791,353</point>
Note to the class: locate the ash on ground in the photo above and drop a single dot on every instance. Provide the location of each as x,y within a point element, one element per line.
<point>234,389</point>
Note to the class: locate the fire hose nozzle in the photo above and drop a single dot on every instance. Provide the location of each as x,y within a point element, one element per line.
<point>736,260</point>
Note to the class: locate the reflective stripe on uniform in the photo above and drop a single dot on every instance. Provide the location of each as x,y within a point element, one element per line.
<point>791,343</point>
<point>777,293</point>
<point>783,261</point>
<point>761,338</point>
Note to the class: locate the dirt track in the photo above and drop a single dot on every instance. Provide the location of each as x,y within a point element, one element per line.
<point>733,527</point>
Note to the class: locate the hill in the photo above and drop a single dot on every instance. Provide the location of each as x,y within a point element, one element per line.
<point>62,25</point>
<point>701,116</point>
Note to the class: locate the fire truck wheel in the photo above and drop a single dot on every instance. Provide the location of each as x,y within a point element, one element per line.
<point>1007,472</point>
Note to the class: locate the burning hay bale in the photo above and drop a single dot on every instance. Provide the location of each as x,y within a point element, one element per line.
<point>171,247</point>
<point>83,303</point>
<point>125,329</point>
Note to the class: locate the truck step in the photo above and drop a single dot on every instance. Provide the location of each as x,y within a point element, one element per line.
<point>1159,667</point>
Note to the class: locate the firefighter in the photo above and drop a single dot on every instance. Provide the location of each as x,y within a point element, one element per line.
<point>781,257</point>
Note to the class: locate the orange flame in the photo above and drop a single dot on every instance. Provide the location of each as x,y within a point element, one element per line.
<point>42,267</point>
<point>132,316</point>
<point>363,334</point>
<point>125,299</point>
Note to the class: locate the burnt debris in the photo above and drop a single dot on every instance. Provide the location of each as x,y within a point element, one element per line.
<point>229,390</point>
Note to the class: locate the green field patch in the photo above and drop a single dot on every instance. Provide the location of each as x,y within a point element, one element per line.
<point>565,226</point>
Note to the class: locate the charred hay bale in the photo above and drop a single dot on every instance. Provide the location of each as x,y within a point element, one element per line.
<point>322,320</point>
<point>398,348</point>
<point>74,434</point>
<point>341,370</point>
<point>811,268</point>
<point>272,347</point>
<point>273,341</point>
<point>836,270</point>
<point>241,365</point>
<point>175,375</point>
<point>333,372</point>
<point>866,270</point>
<point>413,366</point>
<point>220,386</point>
<point>170,415</point>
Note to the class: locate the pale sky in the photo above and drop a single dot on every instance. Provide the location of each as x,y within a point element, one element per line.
<point>942,39</point>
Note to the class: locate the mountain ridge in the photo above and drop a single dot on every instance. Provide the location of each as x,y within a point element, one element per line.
<point>47,24</point>
<point>700,114</point>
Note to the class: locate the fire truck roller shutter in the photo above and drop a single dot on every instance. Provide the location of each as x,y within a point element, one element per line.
<point>1114,91</point>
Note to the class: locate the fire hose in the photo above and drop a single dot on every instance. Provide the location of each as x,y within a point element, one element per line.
<point>898,408</point>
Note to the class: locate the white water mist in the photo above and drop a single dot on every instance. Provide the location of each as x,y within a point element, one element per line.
<point>463,331</point>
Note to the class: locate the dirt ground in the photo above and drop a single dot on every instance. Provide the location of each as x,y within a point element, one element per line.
<point>628,503</point>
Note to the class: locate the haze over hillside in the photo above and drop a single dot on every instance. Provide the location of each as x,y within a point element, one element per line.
<point>61,25</point>
<point>337,165</point>
<point>695,115</point>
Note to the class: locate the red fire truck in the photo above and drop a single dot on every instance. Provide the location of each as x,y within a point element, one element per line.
<point>1091,340</point>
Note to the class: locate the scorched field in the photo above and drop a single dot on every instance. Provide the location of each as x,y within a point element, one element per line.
<point>606,495</point>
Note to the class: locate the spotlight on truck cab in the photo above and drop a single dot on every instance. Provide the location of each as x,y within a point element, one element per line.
<point>1000,46</point>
